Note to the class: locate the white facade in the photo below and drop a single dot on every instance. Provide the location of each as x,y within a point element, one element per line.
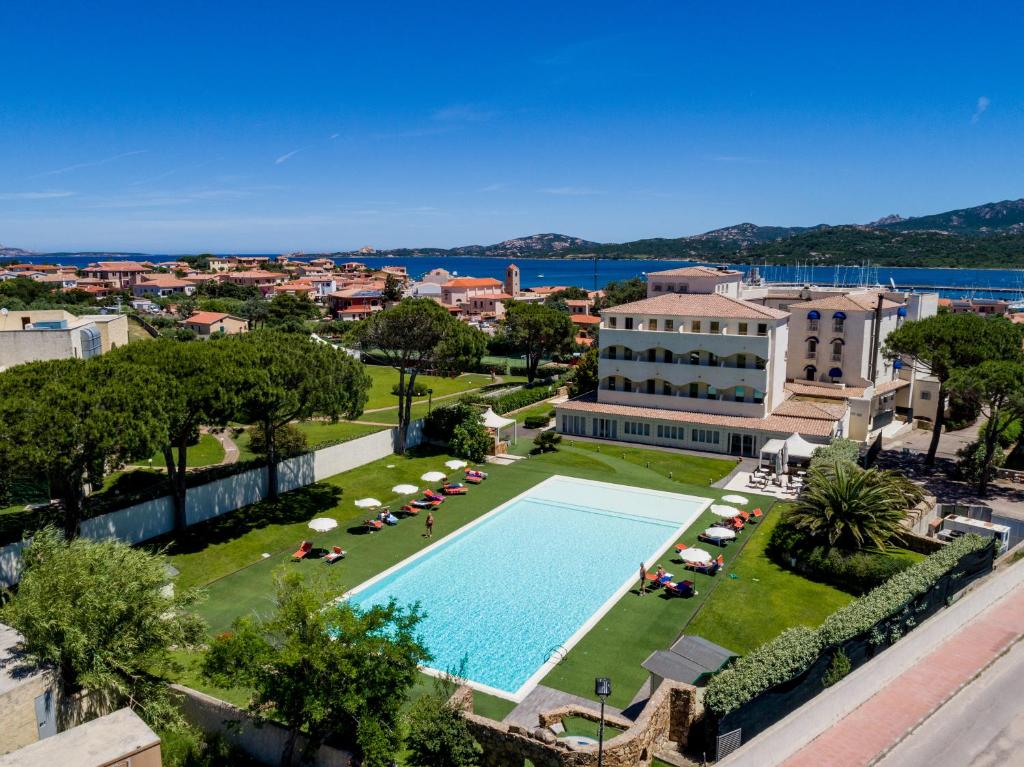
<point>53,334</point>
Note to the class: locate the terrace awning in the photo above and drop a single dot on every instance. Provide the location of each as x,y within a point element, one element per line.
<point>494,421</point>
<point>691,659</point>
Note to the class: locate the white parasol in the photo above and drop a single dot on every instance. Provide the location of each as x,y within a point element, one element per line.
<point>323,524</point>
<point>433,476</point>
<point>741,500</point>
<point>455,464</point>
<point>720,533</point>
<point>405,489</point>
<point>695,556</point>
<point>367,503</point>
<point>726,512</point>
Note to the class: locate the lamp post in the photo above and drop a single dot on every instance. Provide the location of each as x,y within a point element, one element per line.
<point>602,688</point>
<point>430,400</point>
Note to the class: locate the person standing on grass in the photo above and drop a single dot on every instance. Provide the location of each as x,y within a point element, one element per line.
<point>643,579</point>
<point>430,525</point>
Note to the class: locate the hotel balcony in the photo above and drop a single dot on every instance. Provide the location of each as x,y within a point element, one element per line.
<point>681,375</point>
<point>683,404</point>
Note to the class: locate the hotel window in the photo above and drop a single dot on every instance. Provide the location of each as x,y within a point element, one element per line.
<point>926,395</point>
<point>612,322</point>
<point>712,392</point>
<point>696,327</point>
<point>740,393</point>
<point>716,327</point>
<point>657,287</point>
<point>758,397</point>
<point>666,355</point>
<point>812,347</point>
<point>666,388</point>
<point>694,358</point>
<point>647,430</point>
<point>741,360</point>
<point>743,328</point>
<point>629,323</point>
<point>652,324</point>
<point>651,383</point>
<point>627,354</point>
<point>837,350</point>
<point>712,358</point>
<point>652,355</point>
<point>762,329</point>
<point>660,430</point>
<point>611,383</point>
<point>669,325</point>
<point>838,322</point>
<point>694,390</point>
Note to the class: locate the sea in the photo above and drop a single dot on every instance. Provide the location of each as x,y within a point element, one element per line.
<point>591,274</point>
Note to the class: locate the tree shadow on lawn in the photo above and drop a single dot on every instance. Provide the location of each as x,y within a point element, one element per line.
<point>292,507</point>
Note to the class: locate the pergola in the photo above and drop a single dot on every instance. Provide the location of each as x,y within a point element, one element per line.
<point>494,421</point>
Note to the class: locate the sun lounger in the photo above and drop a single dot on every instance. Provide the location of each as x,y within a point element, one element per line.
<point>373,525</point>
<point>656,581</point>
<point>476,473</point>
<point>303,550</point>
<point>432,503</point>
<point>334,555</point>
<point>430,495</point>
<point>681,589</point>
<point>681,547</point>
<point>757,513</point>
<point>473,479</point>
<point>411,509</point>
<point>456,489</point>
<point>716,541</point>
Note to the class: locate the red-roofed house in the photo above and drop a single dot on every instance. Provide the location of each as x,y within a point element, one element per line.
<point>462,289</point>
<point>488,304</point>
<point>259,278</point>
<point>120,274</point>
<point>162,285</point>
<point>206,324</point>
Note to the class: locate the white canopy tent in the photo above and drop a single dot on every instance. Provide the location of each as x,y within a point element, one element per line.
<point>494,421</point>
<point>779,452</point>
<point>798,447</point>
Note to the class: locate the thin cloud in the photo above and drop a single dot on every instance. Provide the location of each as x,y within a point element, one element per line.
<point>92,164</point>
<point>980,108</point>
<point>493,188</point>
<point>572,191</point>
<point>462,113</point>
<point>151,179</point>
<point>286,157</point>
<point>34,195</point>
<point>334,136</point>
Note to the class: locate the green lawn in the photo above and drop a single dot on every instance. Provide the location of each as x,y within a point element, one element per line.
<point>136,332</point>
<point>542,409</point>
<point>319,432</point>
<point>384,378</point>
<point>762,600</point>
<point>206,452</point>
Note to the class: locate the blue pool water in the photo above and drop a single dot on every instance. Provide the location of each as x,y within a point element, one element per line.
<point>508,591</point>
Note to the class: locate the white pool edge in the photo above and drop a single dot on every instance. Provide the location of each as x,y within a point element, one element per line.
<point>542,671</point>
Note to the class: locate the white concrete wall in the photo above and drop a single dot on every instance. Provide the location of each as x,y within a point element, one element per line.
<point>156,517</point>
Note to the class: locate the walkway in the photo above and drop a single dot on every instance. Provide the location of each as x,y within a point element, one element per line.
<point>910,698</point>
<point>541,699</point>
<point>230,448</point>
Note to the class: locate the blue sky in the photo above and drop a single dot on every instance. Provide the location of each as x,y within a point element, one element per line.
<point>258,126</point>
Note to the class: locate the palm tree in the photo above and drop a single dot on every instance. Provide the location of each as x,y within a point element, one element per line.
<point>850,508</point>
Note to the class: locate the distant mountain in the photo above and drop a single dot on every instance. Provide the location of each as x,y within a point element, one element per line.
<point>1006,217</point>
<point>744,235</point>
<point>6,252</point>
<point>521,247</point>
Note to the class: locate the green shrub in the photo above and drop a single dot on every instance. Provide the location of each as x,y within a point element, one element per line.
<point>840,450</point>
<point>419,389</point>
<point>536,421</point>
<point>837,669</point>
<point>289,441</point>
<point>794,650</point>
<point>546,442</point>
<point>971,461</point>
<point>442,421</point>
<point>470,440</point>
<point>520,398</point>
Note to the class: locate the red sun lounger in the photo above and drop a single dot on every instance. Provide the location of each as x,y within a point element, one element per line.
<point>303,550</point>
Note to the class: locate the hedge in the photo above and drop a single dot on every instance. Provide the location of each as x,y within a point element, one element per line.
<point>794,650</point>
<point>521,398</point>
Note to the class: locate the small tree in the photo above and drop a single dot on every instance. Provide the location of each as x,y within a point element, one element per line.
<point>418,335</point>
<point>322,671</point>
<point>624,292</point>
<point>289,313</point>
<point>288,441</point>
<point>288,377</point>
<point>941,344</point>
<point>584,377</point>
<point>439,735</point>
<point>470,439</point>
<point>999,387</point>
<point>392,289</point>
<point>537,330</point>
<point>72,420</point>
<point>100,613</point>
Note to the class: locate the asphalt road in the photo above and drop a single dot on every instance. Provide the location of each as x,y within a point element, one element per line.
<point>981,726</point>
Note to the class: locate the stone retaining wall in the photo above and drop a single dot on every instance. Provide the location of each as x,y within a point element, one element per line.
<point>665,723</point>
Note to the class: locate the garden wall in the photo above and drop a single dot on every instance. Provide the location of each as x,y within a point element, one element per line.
<point>150,519</point>
<point>264,743</point>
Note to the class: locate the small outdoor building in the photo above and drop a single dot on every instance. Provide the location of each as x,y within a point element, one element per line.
<point>496,423</point>
<point>690,660</point>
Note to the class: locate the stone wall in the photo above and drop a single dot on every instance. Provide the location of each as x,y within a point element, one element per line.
<point>18,711</point>
<point>665,723</point>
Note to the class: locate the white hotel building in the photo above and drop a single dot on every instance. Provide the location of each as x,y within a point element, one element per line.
<point>696,366</point>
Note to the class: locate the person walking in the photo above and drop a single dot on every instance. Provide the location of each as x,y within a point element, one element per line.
<point>430,525</point>
<point>643,579</point>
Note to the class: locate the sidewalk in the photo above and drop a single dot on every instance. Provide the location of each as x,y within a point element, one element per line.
<point>885,719</point>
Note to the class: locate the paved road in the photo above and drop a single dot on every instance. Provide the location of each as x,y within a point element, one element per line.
<point>982,726</point>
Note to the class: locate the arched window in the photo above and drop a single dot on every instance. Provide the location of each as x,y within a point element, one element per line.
<point>810,372</point>
<point>837,349</point>
<point>812,319</point>
<point>812,346</point>
<point>839,322</point>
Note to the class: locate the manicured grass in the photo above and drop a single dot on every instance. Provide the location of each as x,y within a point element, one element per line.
<point>319,432</point>
<point>136,332</point>
<point>206,452</point>
<point>384,378</point>
<point>762,600</point>
<point>542,409</point>
<point>577,725</point>
<point>695,470</point>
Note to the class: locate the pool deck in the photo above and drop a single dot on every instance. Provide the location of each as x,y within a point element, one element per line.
<point>541,699</point>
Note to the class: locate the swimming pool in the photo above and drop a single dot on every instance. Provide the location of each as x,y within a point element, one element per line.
<point>511,592</point>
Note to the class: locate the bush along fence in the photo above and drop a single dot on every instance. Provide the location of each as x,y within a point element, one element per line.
<point>774,680</point>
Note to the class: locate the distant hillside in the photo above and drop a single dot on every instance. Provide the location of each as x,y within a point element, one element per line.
<point>6,252</point>
<point>1006,217</point>
<point>534,245</point>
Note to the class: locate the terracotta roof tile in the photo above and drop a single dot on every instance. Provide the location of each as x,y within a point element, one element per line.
<point>713,305</point>
<point>817,427</point>
<point>888,386</point>
<point>811,389</point>
<point>473,282</point>
<point>848,302</point>
<point>797,408</point>
<point>697,271</point>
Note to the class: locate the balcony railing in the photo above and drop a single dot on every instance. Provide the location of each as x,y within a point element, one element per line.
<point>758,365</point>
